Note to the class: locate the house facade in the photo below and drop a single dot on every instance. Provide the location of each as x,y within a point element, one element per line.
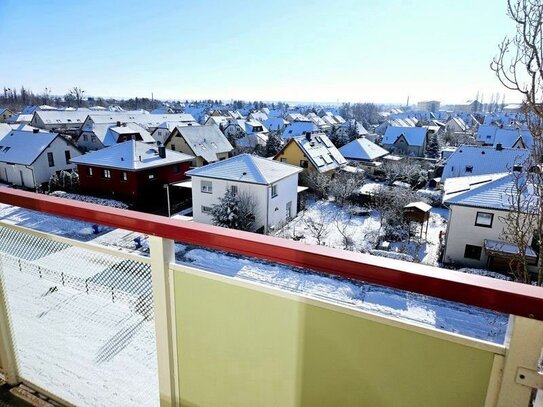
<point>409,141</point>
<point>5,114</point>
<point>29,158</point>
<point>475,230</point>
<point>271,184</point>
<point>132,171</point>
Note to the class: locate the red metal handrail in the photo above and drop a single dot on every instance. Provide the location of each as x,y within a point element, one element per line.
<point>498,295</point>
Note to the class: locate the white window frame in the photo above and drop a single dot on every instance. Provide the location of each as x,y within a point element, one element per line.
<point>274,190</point>
<point>206,187</point>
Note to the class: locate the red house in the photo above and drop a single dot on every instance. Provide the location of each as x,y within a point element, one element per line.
<point>132,171</point>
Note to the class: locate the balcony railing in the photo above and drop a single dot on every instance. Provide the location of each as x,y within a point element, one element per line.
<point>79,321</point>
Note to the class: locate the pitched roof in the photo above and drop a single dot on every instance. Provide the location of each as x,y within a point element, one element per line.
<point>299,127</point>
<point>362,149</point>
<point>497,194</point>
<point>414,136</point>
<point>479,160</point>
<point>131,155</point>
<point>204,141</point>
<point>246,168</point>
<point>321,152</point>
<point>24,147</point>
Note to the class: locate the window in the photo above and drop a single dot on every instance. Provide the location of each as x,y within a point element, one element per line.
<point>67,156</point>
<point>89,171</point>
<point>234,189</point>
<point>107,174</point>
<point>207,187</point>
<point>283,160</point>
<point>473,252</point>
<point>517,168</point>
<point>484,219</point>
<point>173,147</point>
<point>304,163</point>
<point>93,139</point>
<point>469,168</point>
<point>51,159</point>
<point>274,191</point>
<point>85,137</point>
<point>124,176</point>
<point>206,209</point>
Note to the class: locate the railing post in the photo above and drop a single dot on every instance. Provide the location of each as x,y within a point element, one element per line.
<point>7,349</point>
<point>524,343</point>
<point>162,254</point>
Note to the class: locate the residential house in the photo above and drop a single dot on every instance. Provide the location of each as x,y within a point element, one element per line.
<point>364,152</point>
<point>410,141</point>
<point>5,115</point>
<point>479,160</point>
<point>133,171</point>
<point>57,120</point>
<point>475,231</point>
<point>96,136</point>
<point>162,132</point>
<point>456,125</point>
<point>272,185</point>
<point>206,144</point>
<point>276,124</point>
<point>29,158</point>
<point>313,152</point>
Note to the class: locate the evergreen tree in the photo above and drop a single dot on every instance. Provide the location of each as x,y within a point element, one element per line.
<point>273,145</point>
<point>235,210</point>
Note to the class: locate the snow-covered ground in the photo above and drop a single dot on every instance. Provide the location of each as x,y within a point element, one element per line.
<point>324,222</point>
<point>92,351</point>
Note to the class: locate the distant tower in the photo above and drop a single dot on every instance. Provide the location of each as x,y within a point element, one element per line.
<point>407,101</point>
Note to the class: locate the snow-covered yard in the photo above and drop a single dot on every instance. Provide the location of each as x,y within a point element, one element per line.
<point>325,223</point>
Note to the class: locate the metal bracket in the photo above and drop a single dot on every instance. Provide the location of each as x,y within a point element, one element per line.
<point>529,378</point>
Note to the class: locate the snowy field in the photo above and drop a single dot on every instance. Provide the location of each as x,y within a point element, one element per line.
<point>92,351</point>
<point>325,223</point>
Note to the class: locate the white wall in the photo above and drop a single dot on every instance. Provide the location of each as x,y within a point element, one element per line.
<point>461,230</point>
<point>286,191</point>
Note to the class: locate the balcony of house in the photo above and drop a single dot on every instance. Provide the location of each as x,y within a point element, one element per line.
<point>103,306</point>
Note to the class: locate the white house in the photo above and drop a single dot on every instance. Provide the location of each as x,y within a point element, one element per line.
<point>364,152</point>
<point>30,158</point>
<point>479,160</point>
<point>456,125</point>
<point>476,223</point>
<point>273,185</point>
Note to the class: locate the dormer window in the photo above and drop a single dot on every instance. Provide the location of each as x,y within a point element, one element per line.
<point>469,168</point>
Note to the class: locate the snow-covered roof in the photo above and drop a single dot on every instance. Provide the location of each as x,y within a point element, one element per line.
<point>321,152</point>
<point>61,117</point>
<point>507,248</point>
<point>479,160</point>
<point>362,149</point>
<point>246,168</point>
<point>24,147</point>
<point>204,141</point>
<point>132,156</point>
<point>20,118</point>
<point>4,129</point>
<point>456,185</point>
<point>423,206</point>
<point>510,137</point>
<point>497,194</point>
<point>414,136</point>
<point>297,128</point>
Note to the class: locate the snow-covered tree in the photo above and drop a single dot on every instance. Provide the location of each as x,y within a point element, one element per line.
<point>235,210</point>
<point>345,184</point>
<point>273,145</point>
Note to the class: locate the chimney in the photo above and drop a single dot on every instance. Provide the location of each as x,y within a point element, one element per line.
<point>35,131</point>
<point>499,147</point>
<point>308,136</point>
<point>162,151</point>
<point>118,124</point>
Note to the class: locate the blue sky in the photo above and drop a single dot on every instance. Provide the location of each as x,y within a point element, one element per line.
<point>341,50</point>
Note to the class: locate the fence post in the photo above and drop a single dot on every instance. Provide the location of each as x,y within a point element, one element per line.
<point>7,349</point>
<point>162,254</point>
<point>520,377</point>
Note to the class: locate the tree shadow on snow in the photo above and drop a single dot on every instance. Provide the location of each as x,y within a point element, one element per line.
<point>118,342</point>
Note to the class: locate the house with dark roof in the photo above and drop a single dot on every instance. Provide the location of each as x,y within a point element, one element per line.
<point>477,213</point>
<point>410,141</point>
<point>206,144</point>
<point>312,152</point>
<point>132,171</point>
<point>272,185</point>
<point>29,158</point>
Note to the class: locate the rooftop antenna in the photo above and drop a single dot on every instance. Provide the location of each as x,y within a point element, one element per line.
<point>407,101</point>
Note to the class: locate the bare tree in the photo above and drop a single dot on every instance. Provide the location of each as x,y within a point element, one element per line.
<point>318,225</point>
<point>77,95</point>
<point>519,67</point>
<point>345,228</point>
<point>345,184</point>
